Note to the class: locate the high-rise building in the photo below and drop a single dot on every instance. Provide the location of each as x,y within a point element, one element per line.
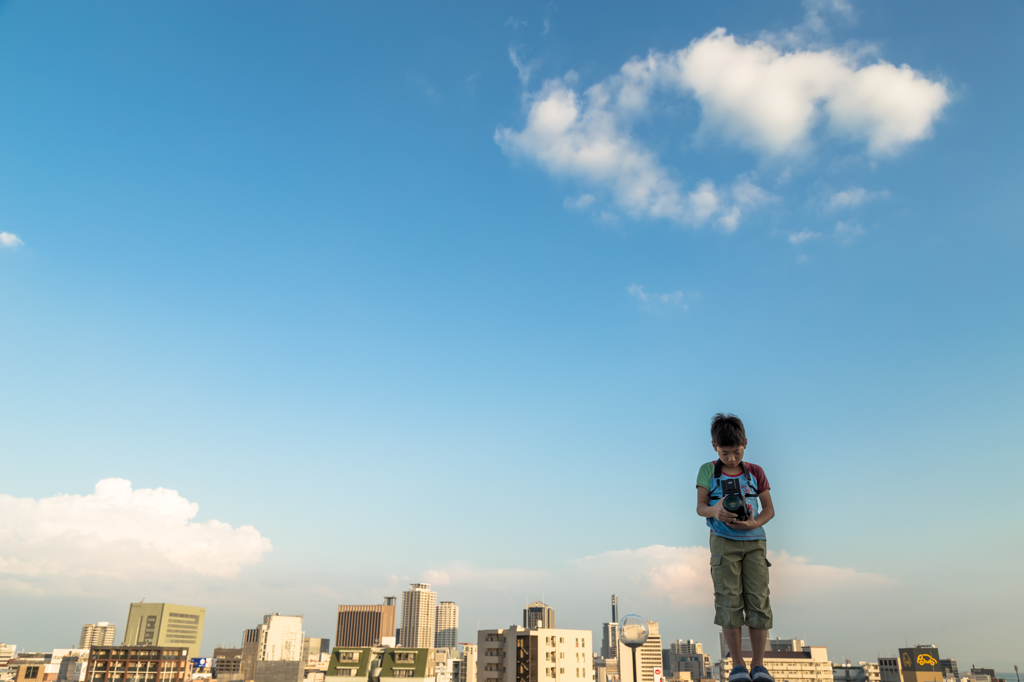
<point>615,608</point>
<point>165,625</point>
<point>688,656</point>
<point>809,665</point>
<point>360,626</point>
<point>534,655</point>
<point>272,652</point>
<point>538,615</point>
<point>648,657</point>
<point>447,625</point>
<point>97,634</point>
<point>949,669</point>
<point>610,640</point>
<point>419,617</point>
<point>920,664</point>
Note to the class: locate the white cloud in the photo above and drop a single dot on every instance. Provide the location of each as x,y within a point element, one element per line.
<point>681,574</point>
<point>579,203</point>
<point>121,533</point>
<point>648,299</point>
<point>751,93</point>
<point>9,240</point>
<point>797,238</point>
<point>855,196</point>
<point>847,233</point>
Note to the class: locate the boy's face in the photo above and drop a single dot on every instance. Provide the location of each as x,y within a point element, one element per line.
<point>731,455</point>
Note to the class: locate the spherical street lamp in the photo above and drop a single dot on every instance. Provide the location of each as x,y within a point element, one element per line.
<point>633,632</point>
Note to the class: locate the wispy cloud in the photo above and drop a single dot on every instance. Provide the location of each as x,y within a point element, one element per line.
<point>579,203</point>
<point>512,22</point>
<point>9,240</point>
<point>847,233</point>
<point>852,197</point>
<point>522,68</point>
<point>650,300</point>
<point>118,532</point>
<point>798,238</point>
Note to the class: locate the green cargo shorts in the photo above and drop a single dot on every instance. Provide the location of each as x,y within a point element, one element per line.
<point>739,570</point>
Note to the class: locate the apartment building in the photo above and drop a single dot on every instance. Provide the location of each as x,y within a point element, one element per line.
<point>447,624</point>
<point>272,652</point>
<point>137,664</point>
<point>165,625</point>
<point>518,654</point>
<point>366,625</point>
<point>97,634</point>
<point>809,665</point>
<point>419,617</point>
<point>387,664</point>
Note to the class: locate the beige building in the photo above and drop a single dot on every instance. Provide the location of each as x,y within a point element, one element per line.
<point>273,651</point>
<point>648,657</point>
<point>366,625</point>
<point>467,663</point>
<point>520,654</point>
<point>97,634</point>
<point>447,624</point>
<point>165,625</point>
<point>687,656</point>
<point>809,665</point>
<point>419,617</point>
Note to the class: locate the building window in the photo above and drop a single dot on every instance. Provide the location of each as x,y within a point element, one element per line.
<point>31,672</point>
<point>561,640</point>
<point>347,656</point>
<point>346,672</point>
<point>408,656</point>
<point>561,671</point>
<point>407,672</point>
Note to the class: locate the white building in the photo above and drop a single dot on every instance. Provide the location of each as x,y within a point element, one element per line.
<point>519,654</point>
<point>447,624</point>
<point>862,672</point>
<point>97,634</point>
<point>419,617</point>
<point>467,663</point>
<point>890,669</point>
<point>648,657</point>
<point>809,665</point>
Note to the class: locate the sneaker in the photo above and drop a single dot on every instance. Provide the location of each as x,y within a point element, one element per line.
<point>759,673</point>
<point>740,674</point>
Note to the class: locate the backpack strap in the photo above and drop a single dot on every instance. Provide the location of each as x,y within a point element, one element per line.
<point>746,473</point>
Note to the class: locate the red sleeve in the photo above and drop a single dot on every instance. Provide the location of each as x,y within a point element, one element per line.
<point>759,477</point>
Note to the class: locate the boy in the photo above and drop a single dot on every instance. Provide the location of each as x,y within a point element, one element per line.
<point>739,565</point>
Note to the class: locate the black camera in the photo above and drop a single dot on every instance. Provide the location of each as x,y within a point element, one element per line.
<point>734,500</point>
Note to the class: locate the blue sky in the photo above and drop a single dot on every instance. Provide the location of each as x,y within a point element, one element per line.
<point>326,270</point>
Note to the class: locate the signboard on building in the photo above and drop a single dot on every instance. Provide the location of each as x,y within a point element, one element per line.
<point>658,677</point>
<point>920,659</point>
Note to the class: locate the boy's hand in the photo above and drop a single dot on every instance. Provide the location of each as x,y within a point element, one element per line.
<point>719,512</point>
<point>749,524</point>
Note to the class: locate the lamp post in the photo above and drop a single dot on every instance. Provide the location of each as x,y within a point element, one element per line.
<point>633,632</point>
<point>1017,672</point>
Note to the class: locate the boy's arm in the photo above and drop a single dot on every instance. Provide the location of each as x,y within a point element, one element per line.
<point>766,515</point>
<point>716,511</point>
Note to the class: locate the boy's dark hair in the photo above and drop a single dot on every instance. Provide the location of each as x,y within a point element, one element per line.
<point>727,431</point>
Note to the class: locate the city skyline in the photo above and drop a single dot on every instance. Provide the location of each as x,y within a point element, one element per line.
<point>273,271</point>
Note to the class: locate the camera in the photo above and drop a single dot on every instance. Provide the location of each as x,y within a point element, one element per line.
<point>734,500</point>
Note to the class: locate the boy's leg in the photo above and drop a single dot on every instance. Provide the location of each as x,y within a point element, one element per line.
<point>758,642</point>
<point>726,562</point>
<point>734,640</point>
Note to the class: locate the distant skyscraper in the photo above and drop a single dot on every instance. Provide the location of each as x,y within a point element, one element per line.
<point>610,640</point>
<point>615,608</point>
<point>362,626</point>
<point>648,657</point>
<point>688,656</point>
<point>447,623</point>
<point>538,615</point>
<point>949,668</point>
<point>419,617</point>
<point>167,625</point>
<point>98,634</point>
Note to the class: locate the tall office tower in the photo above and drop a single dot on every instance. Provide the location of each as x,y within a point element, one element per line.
<point>688,656</point>
<point>447,624</point>
<point>361,626</point>
<point>467,665</point>
<point>615,608</point>
<point>534,655</point>
<point>610,640</point>
<point>949,668</point>
<point>419,617</point>
<point>538,615</point>
<point>98,634</point>
<point>648,657</point>
<point>167,625</point>
<point>272,652</point>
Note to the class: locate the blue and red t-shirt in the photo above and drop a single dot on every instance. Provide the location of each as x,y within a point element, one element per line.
<point>753,482</point>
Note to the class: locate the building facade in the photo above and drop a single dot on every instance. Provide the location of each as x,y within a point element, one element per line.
<point>272,652</point>
<point>648,657</point>
<point>419,617</point>
<point>534,655</point>
<point>610,640</point>
<point>366,626</point>
<point>538,615</point>
<point>447,624</point>
<point>861,672</point>
<point>137,664</point>
<point>467,664</point>
<point>687,656</point>
<point>387,664</point>
<point>165,625</point>
<point>97,634</point>
<point>809,665</point>
<point>920,664</point>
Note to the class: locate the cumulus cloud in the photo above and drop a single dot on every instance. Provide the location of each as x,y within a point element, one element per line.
<point>9,240</point>
<point>648,300</point>
<point>121,533</point>
<point>850,198</point>
<point>753,94</point>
